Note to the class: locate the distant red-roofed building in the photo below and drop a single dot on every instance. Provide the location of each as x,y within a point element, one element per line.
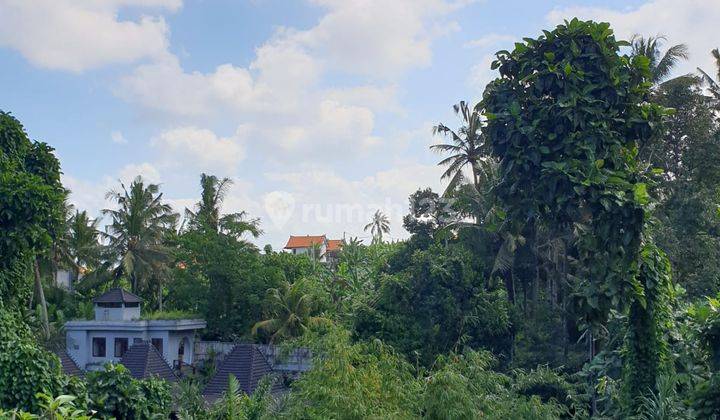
<point>325,249</point>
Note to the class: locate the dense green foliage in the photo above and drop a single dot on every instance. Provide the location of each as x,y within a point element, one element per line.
<point>114,393</point>
<point>566,278</point>
<point>435,303</point>
<point>25,368</point>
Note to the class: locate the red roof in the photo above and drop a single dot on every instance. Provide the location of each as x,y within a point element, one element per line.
<point>304,241</point>
<point>334,245</point>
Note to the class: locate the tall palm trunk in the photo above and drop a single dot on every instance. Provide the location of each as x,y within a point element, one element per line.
<point>41,300</point>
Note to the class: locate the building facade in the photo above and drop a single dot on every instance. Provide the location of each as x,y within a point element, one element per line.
<point>117,326</point>
<point>318,246</point>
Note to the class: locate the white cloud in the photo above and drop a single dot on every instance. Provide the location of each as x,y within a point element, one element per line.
<point>90,195</point>
<point>376,37</point>
<point>490,40</point>
<point>165,87</point>
<point>378,98</point>
<point>146,170</point>
<point>325,202</point>
<point>117,137</point>
<point>199,148</point>
<point>692,22</point>
<point>481,74</point>
<point>76,36</point>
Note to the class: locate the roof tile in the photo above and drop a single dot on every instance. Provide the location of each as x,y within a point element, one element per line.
<point>143,360</point>
<point>304,241</point>
<point>117,295</point>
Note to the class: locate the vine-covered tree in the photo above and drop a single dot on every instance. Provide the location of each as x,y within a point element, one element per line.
<point>565,118</point>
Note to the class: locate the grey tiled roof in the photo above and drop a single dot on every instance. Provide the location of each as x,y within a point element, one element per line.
<point>69,367</point>
<point>143,360</point>
<point>117,295</point>
<point>248,365</point>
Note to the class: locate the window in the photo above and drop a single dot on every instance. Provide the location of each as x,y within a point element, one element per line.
<point>121,346</point>
<point>158,344</point>
<point>98,346</point>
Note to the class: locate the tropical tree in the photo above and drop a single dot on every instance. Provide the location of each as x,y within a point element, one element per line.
<point>713,84</point>
<point>31,203</point>
<point>207,214</point>
<point>467,148</point>
<point>661,64</point>
<point>293,310</point>
<point>136,232</point>
<point>79,246</point>
<point>378,225</point>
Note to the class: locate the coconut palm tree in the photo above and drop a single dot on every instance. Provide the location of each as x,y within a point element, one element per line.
<point>136,232</point>
<point>207,214</point>
<point>79,248</point>
<point>292,311</point>
<point>378,225</point>
<point>713,84</point>
<point>661,64</point>
<point>468,147</point>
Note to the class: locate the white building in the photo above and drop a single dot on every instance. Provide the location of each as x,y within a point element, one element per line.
<point>323,248</point>
<point>117,326</point>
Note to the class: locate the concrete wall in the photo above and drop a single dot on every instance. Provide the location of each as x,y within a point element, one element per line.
<point>117,314</point>
<point>79,345</point>
<point>305,251</point>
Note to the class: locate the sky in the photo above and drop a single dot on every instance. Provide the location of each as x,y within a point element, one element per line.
<point>320,111</point>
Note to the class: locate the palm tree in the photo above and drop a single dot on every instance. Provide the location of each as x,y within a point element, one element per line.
<point>378,225</point>
<point>468,147</point>
<point>661,64</point>
<point>207,214</point>
<point>79,248</point>
<point>293,311</point>
<point>136,233</point>
<point>713,84</point>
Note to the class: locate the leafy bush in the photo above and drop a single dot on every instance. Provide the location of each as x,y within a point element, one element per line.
<point>545,383</point>
<point>465,387</point>
<point>706,398</point>
<point>171,315</point>
<point>60,408</point>
<point>25,368</point>
<point>235,404</point>
<point>189,400</point>
<point>115,393</point>
<point>354,381</point>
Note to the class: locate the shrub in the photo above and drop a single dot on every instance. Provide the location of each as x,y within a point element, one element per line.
<point>706,398</point>
<point>25,368</point>
<point>544,382</point>
<point>115,393</point>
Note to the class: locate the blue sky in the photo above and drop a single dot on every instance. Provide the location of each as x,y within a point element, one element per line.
<point>319,110</point>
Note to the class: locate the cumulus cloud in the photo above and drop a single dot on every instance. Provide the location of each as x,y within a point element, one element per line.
<point>90,195</point>
<point>323,201</point>
<point>77,36</point>
<point>377,98</point>
<point>117,137</point>
<point>481,74</point>
<point>199,148</point>
<point>376,37</point>
<point>146,170</point>
<point>490,40</point>
<point>692,22</point>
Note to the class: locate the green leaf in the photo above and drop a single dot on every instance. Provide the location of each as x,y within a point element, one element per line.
<point>641,195</point>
